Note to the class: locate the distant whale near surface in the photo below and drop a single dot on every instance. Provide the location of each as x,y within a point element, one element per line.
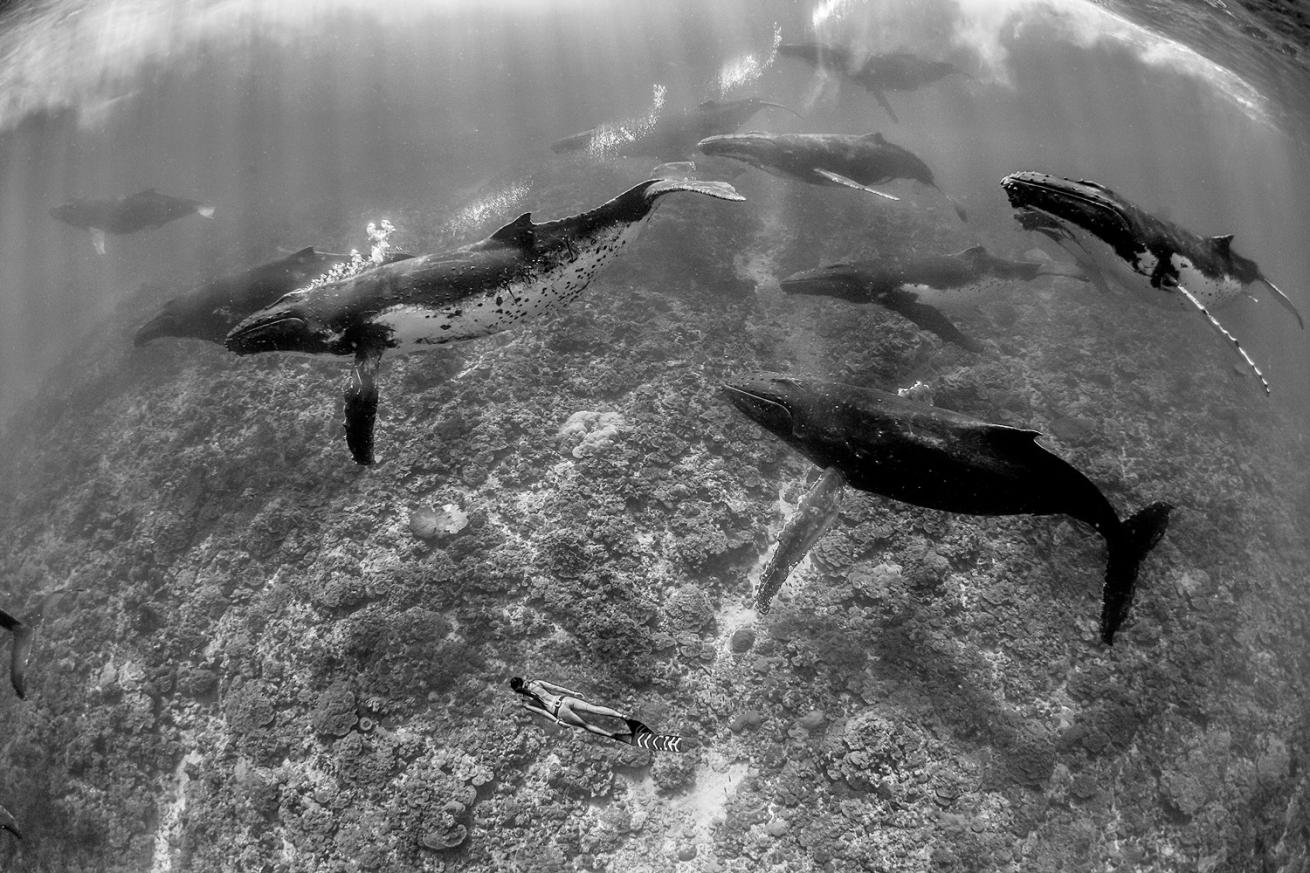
<point>850,160</point>
<point>673,135</point>
<point>938,459</point>
<point>1155,260</point>
<point>516,274</point>
<point>140,211</point>
<point>899,71</point>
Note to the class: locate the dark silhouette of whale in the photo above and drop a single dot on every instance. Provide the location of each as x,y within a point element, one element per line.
<point>851,160</point>
<point>916,287</point>
<point>1154,260</point>
<point>935,458</point>
<point>140,211</point>
<point>899,71</point>
<point>672,136</point>
<point>9,823</point>
<point>213,309</point>
<point>519,272</point>
<point>24,635</point>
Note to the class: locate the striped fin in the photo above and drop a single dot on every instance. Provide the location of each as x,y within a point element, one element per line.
<point>644,738</point>
<point>659,742</point>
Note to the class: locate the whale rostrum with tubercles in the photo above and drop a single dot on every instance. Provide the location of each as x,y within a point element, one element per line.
<point>516,274</point>
<point>1153,259</point>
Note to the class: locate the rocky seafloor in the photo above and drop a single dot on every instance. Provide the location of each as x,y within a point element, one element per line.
<point>256,656</point>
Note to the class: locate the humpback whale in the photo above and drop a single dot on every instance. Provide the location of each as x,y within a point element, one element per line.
<point>211,310</point>
<point>24,636</point>
<point>142,210</point>
<point>673,136</point>
<point>855,161</point>
<point>938,459</point>
<point>899,71</point>
<point>918,288</point>
<point>519,272</point>
<point>1154,260</point>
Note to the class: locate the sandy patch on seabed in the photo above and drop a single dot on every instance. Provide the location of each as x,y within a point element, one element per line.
<point>170,820</point>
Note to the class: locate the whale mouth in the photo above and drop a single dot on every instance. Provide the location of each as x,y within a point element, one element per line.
<point>159,326</point>
<point>1085,204</point>
<point>841,283</point>
<point>765,407</point>
<point>284,334</point>
<point>735,146</point>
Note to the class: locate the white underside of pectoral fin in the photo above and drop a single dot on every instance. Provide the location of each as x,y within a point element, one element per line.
<point>1214,322</point>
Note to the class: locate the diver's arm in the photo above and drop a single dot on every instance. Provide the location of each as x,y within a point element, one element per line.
<point>559,689</point>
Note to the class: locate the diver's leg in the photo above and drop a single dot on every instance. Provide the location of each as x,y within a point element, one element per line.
<point>594,709</point>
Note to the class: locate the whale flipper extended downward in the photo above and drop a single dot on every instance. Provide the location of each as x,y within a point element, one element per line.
<point>521,271</point>
<point>937,459</point>
<point>24,636</point>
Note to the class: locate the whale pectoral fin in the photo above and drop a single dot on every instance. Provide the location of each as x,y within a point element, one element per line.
<point>98,240</point>
<point>927,317</point>
<point>839,179</point>
<point>886,107</point>
<point>960,212</point>
<point>9,823</point>
<point>717,190</point>
<point>1214,322</point>
<point>24,639</point>
<point>1285,300</point>
<point>816,512</point>
<point>361,406</point>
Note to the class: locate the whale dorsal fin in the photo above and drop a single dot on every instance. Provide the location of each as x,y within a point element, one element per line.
<point>518,232</point>
<point>972,251</point>
<point>306,252</point>
<point>1222,243</point>
<point>875,136</point>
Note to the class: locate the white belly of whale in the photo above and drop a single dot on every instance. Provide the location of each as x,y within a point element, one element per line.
<point>415,327</point>
<point>1213,293</point>
<point>960,297</point>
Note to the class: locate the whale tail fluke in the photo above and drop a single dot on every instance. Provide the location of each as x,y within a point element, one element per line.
<point>719,190</point>
<point>1128,547</point>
